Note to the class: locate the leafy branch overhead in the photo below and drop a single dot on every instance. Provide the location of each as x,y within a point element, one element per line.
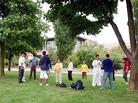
<point>73,13</point>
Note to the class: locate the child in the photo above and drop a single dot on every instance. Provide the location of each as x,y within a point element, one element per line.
<point>58,70</point>
<point>84,70</point>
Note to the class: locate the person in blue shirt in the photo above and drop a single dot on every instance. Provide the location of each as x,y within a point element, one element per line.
<point>108,72</point>
<point>33,64</point>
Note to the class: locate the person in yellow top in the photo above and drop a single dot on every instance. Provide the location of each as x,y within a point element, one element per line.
<point>84,70</point>
<point>58,71</point>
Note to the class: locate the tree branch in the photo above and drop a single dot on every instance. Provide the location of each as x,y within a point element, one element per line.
<point>131,26</point>
<point>120,39</point>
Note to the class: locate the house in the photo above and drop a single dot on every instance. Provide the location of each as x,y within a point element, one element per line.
<point>51,44</point>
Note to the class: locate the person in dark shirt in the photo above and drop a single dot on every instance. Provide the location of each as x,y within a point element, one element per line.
<point>108,72</point>
<point>45,65</point>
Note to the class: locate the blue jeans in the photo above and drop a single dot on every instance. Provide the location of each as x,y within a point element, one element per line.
<point>108,75</point>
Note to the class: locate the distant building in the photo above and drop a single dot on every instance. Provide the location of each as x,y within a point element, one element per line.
<point>51,44</point>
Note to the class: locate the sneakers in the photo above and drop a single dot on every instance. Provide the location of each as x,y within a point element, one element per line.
<point>40,84</point>
<point>46,84</point>
<point>126,83</point>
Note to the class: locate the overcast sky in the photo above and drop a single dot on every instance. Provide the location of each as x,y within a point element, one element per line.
<point>107,35</point>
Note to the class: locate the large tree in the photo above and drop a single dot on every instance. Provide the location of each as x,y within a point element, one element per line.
<point>19,27</point>
<point>102,10</point>
<point>64,40</point>
<point>135,5</point>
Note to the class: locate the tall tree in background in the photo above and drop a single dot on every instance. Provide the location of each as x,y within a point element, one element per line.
<point>19,27</point>
<point>64,40</point>
<point>135,4</point>
<point>102,11</point>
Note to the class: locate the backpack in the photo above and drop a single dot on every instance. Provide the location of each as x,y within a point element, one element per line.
<point>78,85</point>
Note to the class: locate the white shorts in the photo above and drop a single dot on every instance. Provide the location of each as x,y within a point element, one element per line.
<point>43,75</point>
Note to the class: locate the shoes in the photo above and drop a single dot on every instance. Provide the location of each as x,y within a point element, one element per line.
<point>101,89</point>
<point>46,84</point>
<point>126,83</point>
<point>40,84</point>
<point>24,80</point>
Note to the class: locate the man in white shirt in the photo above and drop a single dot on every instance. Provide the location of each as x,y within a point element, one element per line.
<point>22,66</point>
<point>97,64</point>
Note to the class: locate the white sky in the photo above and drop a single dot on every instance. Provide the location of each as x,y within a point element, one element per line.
<point>107,35</point>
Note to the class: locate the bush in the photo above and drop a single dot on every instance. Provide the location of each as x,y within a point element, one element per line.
<point>87,53</point>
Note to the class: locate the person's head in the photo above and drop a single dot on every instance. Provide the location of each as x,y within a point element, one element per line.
<point>125,58</point>
<point>44,53</point>
<point>58,61</point>
<point>23,54</point>
<point>107,55</point>
<point>97,57</point>
<point>70,60</point>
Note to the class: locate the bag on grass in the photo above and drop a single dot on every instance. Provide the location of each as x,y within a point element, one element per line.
<point>78,85</point>
<point>61,85</point>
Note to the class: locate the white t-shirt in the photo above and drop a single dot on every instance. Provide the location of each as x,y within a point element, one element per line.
<point>22,61</point>
<point>70,66</point>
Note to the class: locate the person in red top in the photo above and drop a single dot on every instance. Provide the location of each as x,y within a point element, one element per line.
<point>126,68</point>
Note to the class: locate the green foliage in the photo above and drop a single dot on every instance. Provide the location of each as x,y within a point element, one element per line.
<point>21,27</point>
<point>74,12</point>
<point>117,57</point>
<point>65,42</point>
<point>53,56</point>
<point>87,53</point>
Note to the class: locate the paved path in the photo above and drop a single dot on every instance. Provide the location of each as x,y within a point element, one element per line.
<point>75,71</point>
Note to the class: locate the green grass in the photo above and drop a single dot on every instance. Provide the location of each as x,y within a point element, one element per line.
<point>31,92</point>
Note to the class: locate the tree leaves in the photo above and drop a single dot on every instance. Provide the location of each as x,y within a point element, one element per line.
<point>64,40</point>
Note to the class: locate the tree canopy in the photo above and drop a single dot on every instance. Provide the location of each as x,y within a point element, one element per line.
<point>73,13</point>
<point>20,27</point>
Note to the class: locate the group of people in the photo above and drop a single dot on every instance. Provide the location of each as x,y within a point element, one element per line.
<point>101,70</point>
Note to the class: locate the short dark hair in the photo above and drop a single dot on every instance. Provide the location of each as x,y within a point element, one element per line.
<point>24,53</point>
<point>107,55</point>
<point>44,52</point>
<point>97,55</point>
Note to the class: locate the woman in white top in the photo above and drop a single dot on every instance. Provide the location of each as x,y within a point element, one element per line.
<point>97,64</point>
<point>70,68</point>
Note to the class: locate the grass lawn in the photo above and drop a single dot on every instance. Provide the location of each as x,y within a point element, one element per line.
<point>32,92</point>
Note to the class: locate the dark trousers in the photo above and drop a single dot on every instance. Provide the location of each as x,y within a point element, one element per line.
<point>21,73</point>
<point>113,75</point>
<point>125,76</point>
<point>70,75</point>
<point>84,74</point>
<point>33,70</point>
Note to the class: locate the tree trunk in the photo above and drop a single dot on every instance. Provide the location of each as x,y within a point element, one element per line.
<point>133,81</point>
<point>2,59</point>
<point>9,64</point>
<point>131,26</point>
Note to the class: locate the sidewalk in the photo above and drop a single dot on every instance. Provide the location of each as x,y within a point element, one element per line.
<point>75,71</point>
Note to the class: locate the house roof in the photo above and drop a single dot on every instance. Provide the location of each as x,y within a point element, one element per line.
<point>78,38</point>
